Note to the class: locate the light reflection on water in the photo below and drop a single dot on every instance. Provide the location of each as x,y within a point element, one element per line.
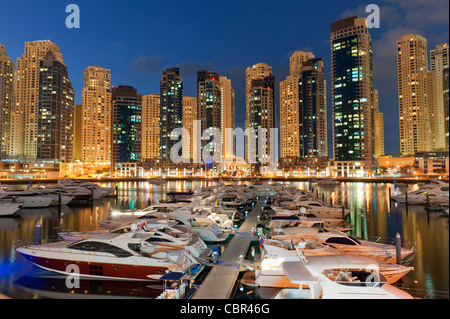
<point>429,231</point>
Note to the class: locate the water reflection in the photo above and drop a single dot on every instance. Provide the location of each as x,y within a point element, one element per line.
<point>429,232</point>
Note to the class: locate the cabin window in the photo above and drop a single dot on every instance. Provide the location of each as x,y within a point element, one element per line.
<point>156,239</point>
<point>340,240</point>
<point>93,246</point>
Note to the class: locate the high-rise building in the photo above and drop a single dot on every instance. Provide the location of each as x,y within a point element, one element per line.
<point>171,92</point>
<point>227,117</point>
<point>416,95</point>
<point>96,127</point>
<point>303,114</point>
<point>378,120</point>
<point>255,72</point>
<point>209,107</point>
<point>445,75</point>
<point>25,118</point>
<point>150,126</point>
<point>352,86</point>
<point>7,98</point>
<point>189,116</point>
<point>439,62</point>
<point>2,106</point>
<point>262,115</point>
<point>126,125</point>
<point>56,100</point>
<point>439,57</point>
<point>78,133</point>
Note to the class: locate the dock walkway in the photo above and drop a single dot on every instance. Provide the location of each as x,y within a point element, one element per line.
<point>222,278</point>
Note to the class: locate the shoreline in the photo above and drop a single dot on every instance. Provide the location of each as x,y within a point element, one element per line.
<point>405,180</point>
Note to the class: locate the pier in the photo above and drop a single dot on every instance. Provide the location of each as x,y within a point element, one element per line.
<point>222,278</point>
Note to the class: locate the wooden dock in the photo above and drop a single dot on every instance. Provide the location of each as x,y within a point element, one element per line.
<point>220,282</point>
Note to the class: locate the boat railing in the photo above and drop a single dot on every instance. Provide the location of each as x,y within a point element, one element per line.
<point>419,293</point>
<point>391,242</point>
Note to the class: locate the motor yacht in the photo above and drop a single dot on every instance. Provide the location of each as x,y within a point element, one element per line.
<point>269,272</point>
<point>338,277</point>
<point>347,244</point>
<point>128,256</point>
<point>8,209</point>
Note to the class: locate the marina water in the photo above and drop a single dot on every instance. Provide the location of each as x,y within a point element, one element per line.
<point>372,215</point>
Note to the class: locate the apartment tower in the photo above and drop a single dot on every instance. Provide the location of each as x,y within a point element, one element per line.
<point>303,114</point>
<point>151,108</point>
<point>352,92</point>
<point>171,115</point>
<point>96,110</point>
<point>56,108</point>
<point>25,119</point>
<point>7,98</point>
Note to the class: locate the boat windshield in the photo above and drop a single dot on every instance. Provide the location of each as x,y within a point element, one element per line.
<point>356,277</point>
<point>95,246</point>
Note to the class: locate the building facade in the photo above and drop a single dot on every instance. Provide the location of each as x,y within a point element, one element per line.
<point>126,125</point>
<point>352,92</point>
<point>412,69</point>
<point>209,107</point>
<point>150,126</point>
<point>303,114</point>
<point>171,115</point>
<point>96,110</point>
<point>25,118</point>
<point>378,120</point>
<point>189,116</point>
<point>7,101</point>
<point>255,72</point>
<point>56,108</point>
<point>262,115</point>
<point>227,121</point>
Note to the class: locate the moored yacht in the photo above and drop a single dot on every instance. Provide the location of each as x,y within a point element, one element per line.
<point>8,209</point>
<point>128,256</point>
<point>338,277</point>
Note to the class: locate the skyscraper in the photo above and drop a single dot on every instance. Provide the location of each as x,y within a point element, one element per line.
<point>171,92</point>
<point>445,75</point>
<point>352,86</point>
<point>255,72</point>
<point>150,126</point>
<point>96,127</point>
<point>439,57</point>
<point>189,116</point>
<point>25,122</point>
<point>227,117</point>
<point>378,120</point>
<point>7,98</point>
<point>209,104</point>
<point>126,125</point>
<point>303,114</point>
<point>412,68</point>
<point>439,63</point>
<point>262,115</point>
<point>55,124</point>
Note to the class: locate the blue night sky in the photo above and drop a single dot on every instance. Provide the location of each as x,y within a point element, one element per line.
<point>137,40</point>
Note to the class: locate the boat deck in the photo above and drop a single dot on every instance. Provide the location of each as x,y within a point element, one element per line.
<point>222,278</point>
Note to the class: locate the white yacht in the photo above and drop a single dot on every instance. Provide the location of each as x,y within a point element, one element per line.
<point>128,256</point>
<point>347,244</point>
<point>436,193</point>
<point>269,272</point>
<point>8,209</point>
<point>337,277</point>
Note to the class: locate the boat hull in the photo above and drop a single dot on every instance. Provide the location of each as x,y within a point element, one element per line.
<point>107,269</point>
